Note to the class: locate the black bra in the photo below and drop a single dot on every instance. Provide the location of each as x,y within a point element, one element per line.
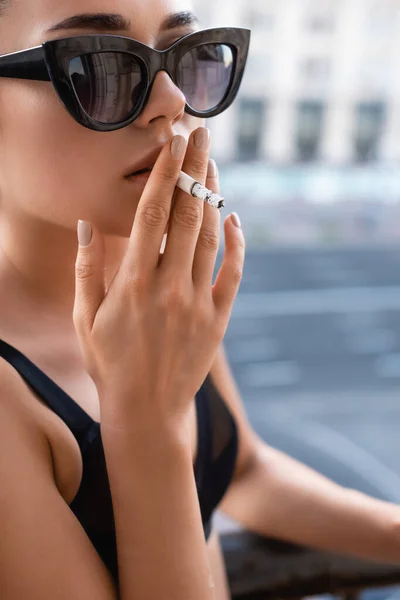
<point>213,469</point>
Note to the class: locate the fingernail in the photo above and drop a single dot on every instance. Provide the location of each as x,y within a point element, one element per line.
<point>235,220</point>
<point>84,233</point>
<point>212,168</point>
<point>202,138</point>
<point>178,146</point>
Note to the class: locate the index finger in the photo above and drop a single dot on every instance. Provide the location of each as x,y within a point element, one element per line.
<point>154,209</point>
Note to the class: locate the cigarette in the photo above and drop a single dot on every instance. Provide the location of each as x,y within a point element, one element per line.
<point>197,190</point>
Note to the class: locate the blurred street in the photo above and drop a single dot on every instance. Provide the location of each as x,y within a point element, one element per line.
<point>314,344</point>
<point>309,156</point>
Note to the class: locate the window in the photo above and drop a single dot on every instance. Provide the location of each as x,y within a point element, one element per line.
<point>321,23</point>
<point>308,129</point>
<point>369,123</point>
<point>320,15</point>
<point>315,70</point>
<point>252,115</point>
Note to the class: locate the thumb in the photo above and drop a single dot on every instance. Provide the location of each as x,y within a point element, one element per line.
<point>90,285</point>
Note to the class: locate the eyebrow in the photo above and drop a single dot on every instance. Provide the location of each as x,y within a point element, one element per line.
<point>117,22</point>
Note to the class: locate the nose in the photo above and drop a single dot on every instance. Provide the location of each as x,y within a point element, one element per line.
<point>166,101</point>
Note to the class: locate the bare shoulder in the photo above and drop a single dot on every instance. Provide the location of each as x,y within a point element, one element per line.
<point>20,409</point>
<point>17,396</point>
<point>15,393</point>
<point>44,551</point>
<point>16,412</point>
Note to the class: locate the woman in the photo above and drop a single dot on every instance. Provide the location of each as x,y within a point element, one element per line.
<point>121,429</point>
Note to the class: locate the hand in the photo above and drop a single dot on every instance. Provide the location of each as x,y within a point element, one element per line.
<point>149,341</point>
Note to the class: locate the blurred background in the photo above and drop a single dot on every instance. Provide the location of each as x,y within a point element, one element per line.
<point>309,157</point>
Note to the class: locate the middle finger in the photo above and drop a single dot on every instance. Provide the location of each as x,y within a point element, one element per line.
<point>187,212</point>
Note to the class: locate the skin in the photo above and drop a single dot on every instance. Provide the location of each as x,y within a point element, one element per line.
<point>46,185</point>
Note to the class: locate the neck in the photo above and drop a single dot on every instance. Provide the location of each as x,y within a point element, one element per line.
<point>37,272</point>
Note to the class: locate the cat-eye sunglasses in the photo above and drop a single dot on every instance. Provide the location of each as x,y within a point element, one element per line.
<point>104,81</point>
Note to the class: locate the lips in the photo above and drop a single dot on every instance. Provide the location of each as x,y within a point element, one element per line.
<point>146,164</point>
<point>140,172</point>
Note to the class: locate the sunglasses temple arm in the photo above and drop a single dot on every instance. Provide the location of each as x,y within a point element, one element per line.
<point>26,64</point>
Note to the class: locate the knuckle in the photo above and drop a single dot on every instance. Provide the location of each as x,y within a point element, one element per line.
<point>189,215</point>
<point>198,166</point>
<point>202,314</point>
<point>174,299</point>
<point>242,243</point>
<point>236,273</point>
<point>83,270</point>
<point>209,239</point>
<point>153,215</point>
<point>168,175</point>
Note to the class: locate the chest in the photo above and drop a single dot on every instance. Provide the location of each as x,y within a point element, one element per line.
<point>67,458</point>
<point>66,404</point>
<point>65,383</point>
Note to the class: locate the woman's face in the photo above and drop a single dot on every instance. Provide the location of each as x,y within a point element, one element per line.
<point>56,171</point>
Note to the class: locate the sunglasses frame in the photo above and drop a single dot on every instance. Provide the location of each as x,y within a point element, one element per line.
<point>50,62</point>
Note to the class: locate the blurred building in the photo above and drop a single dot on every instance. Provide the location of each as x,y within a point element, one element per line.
<point>322,81</point>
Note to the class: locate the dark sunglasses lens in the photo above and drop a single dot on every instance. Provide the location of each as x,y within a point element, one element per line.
<point>205,74</point>
<point>109,85</point>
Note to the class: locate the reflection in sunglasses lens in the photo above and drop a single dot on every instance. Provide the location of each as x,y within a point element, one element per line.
<point>205,73</point>
<point>108,85</point>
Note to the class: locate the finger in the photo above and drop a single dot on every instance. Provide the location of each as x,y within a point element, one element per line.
<point>209,236</point>
<point>187,212</point>
<point>90,285</point>
<point>153,211</point>
<point>230,274</point>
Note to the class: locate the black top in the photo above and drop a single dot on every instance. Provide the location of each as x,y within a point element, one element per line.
<point>92,505</point>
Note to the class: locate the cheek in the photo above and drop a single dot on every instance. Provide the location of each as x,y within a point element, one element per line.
<point>56,170</point>
<point>44,154</point>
